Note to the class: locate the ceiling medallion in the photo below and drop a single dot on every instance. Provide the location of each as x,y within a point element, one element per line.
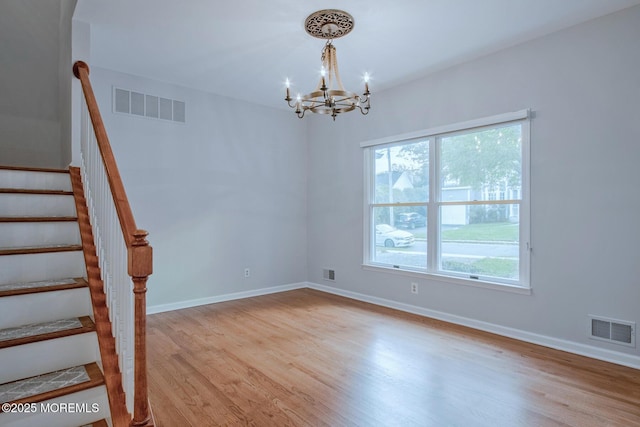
<point>329,24</point>
<point>329,96</point>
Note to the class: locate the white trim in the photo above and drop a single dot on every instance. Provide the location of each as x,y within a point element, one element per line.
<point>434,203</point>
<point>505,287</point>
<point>484,121</point>
<point>524,212</point>
<point>160,308</point>
<point>543,340</point>
<point>367,214</point>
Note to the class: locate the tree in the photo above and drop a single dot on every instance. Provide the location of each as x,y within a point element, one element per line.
<point>489,158</point>
<point>418,155</point>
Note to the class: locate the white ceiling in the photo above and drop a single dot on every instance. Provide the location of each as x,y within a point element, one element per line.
<point>246,48</point>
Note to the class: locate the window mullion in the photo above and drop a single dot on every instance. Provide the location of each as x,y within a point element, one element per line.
<point>433,215</point>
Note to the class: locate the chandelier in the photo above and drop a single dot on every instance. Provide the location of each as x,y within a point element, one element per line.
<point>330,96</point>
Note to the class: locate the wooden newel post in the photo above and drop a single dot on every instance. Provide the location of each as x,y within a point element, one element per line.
<point>140,267</point>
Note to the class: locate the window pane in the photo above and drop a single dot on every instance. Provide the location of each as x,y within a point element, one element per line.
<point>482,165</point>
<point>404,245</point>
<point>480,240</point>
<point>405,170</point>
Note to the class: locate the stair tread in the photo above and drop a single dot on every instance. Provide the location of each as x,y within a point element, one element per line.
<point>35,191</point>
<point>51,385</point>
<point>38,218</point>
<point>35,332</point>
<point>22,250</point>
<point>33,169</point>
<point>21,288</point>
<point>99,423</point>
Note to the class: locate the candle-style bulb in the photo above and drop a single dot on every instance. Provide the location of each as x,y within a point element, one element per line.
<point>298,103</point>
<point>323,73</point>
<point>288,83</point>
<point>288,97</point>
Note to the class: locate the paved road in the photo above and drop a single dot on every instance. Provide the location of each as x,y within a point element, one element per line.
<point>415,255</point>
<point>480,250</point>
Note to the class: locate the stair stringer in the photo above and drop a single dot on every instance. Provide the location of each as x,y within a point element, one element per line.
<point>106,341</point>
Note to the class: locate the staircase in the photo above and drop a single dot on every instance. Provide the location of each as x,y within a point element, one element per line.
<point>50,365</point>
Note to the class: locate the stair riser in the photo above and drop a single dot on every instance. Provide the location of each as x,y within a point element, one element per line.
<point>44,307</point>
<point>13,205</point>
<point>38,358</point>
<point>27,360</point>
<point>34,180</point>
<point>36,267</point>
<point>96,395</point>
<point>20,234</point>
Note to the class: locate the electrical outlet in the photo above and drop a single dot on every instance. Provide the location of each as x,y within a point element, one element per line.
<point>414,288</point>
<point>247,272</point>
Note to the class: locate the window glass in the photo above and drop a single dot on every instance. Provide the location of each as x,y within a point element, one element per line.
<point>480,240</point>
<point>403,244</point>
<point>481,165</point>
<point>402,173</point>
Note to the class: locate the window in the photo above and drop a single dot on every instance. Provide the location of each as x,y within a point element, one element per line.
<point>452,201</point>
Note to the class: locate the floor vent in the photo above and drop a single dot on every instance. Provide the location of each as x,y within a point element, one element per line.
<point>151,106</point>
<point>613,331</point>
<point>329,275</point>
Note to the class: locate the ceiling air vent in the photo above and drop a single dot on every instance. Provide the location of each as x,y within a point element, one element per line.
<point>151,106</point>
<point>613,331</point>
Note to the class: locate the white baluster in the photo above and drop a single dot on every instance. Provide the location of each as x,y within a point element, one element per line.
<point>111,249</point>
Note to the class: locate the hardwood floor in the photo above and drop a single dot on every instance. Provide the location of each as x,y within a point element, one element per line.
<point>306,358</point>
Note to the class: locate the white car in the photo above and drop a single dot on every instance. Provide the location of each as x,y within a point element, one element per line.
<point>391,237</point>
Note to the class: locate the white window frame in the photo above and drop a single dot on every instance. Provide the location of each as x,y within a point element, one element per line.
<point>522,285</point>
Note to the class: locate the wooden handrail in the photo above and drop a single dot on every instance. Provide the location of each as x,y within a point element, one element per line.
<point>127,222</point>
<point>139,252</point>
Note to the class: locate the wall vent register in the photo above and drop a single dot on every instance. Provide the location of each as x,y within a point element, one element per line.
<point>328,274</point>
<point>611,330</point>
<point>151,106</point>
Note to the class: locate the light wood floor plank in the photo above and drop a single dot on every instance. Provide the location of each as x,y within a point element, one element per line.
<point>306,358</point>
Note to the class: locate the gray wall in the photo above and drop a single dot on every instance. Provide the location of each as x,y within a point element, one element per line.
<point>65,77</point>
<point>584,86</point>
<point>36,39</point>
<point>241,186</point>
<point>224,191</point>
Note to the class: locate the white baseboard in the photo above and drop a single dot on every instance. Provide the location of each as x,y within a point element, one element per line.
<point>153,309</point>
<point>543,340</point>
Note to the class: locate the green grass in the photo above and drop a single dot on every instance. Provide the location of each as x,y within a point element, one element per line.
<point>419,234</point>
<point>493,232</point>
<point>495,267</point>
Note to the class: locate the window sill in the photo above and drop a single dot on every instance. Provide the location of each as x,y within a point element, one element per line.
<point>449,279</point>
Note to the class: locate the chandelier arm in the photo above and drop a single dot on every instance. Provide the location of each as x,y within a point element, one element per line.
<point>346,101</point>
<point>364,110</point>
<point>366,101</point>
